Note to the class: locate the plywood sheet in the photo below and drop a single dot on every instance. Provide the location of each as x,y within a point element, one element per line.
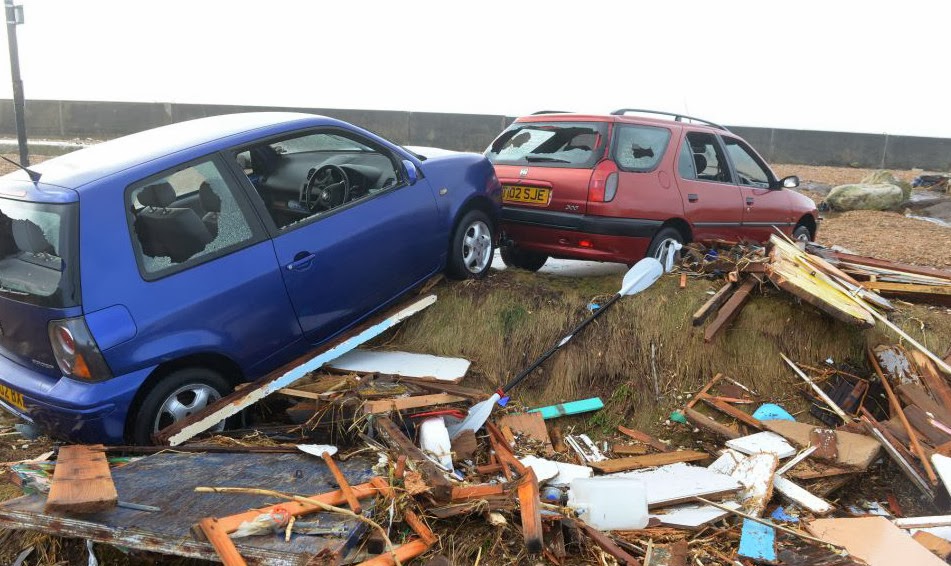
<point>875,540</point>
<point>402,363</point>
<point>530,425</point>
<point>854,450</point>
<point>168,480</point>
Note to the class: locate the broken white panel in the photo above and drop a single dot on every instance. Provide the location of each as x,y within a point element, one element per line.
<point>564,472</point>
<point>756,474</point>
<point>680,483</point>
<point>215,414</point>
<point>801,497</point>
<point>406,364</point>
<point>434,441</point>
<point>942,466</point>
<point>585,448</point>
<point>693,516</point>
<point>765,441</point>
<point>791,463</point>
<point>727,462</point>
<point>544,469</point>
<point>609,503</point>
<point>923,522</point>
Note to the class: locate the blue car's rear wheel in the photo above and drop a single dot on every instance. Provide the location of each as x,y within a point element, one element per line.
<point>472,247</point>
<point>175,397</point>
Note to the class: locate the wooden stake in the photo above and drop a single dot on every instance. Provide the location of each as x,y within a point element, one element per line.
<point>712,304</point>
<point>731,308</point>
<point>342,482</point>
<point>896,408</point>
<point>531,514</point>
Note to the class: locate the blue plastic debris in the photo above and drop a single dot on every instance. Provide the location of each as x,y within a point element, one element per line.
<point>780,515</point>
<point>593,306</point>
<point>758,541</point>
<point>771,412</point>
<point>503,401</point>
<point>570,408</point>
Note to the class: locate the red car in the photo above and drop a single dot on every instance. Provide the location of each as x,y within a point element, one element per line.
<point>619,187</point>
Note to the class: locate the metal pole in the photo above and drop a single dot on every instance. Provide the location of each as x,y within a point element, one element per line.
<point>19,112</point>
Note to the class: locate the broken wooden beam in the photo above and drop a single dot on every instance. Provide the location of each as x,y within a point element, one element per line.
<point>730,308</point>
<point>712,304</point>
<point>647,461</point>
<point>530,510</point>
<point>342,483</point>
<point>231,404</point>
<point>404,403</point>
<point>434,477</point>
<point>643,438</point>
<point>82,482</point>
<point>732,411</point>
<point>702,421</point>
<point>934,381</point>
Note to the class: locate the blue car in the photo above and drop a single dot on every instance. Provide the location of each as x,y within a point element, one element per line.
<point>143,278</point>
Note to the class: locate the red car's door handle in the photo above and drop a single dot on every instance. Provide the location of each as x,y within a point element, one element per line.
<point>693,197</point>
<point>749,201</point>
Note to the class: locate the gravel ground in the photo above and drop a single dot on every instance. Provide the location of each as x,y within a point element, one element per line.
<point>887,235</point>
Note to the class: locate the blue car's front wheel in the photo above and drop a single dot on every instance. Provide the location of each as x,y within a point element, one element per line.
<point>175,397</point>
<point>472,247</point>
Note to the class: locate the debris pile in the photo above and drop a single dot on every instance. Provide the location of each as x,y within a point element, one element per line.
<point>734,478</point>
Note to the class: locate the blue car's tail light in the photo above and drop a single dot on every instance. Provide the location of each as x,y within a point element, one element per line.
<point>76,351</point>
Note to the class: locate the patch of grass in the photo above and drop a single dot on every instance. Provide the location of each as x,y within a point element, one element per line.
<point>503,323</point>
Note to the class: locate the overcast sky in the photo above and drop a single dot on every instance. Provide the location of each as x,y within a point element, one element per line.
<point>805,64</point>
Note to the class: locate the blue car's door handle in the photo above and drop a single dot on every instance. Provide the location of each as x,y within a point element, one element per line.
<point>302,261</point>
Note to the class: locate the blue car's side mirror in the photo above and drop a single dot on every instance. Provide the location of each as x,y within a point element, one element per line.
<point>412,174</point>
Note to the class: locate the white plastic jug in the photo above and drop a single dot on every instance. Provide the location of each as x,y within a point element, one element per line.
<point>434,440</point>
<point>610,504</point>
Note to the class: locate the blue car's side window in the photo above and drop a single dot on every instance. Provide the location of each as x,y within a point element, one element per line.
<point>185,217</point>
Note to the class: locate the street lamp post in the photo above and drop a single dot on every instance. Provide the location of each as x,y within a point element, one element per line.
<point>14,15</point>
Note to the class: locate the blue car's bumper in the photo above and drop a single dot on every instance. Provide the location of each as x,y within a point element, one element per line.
<point>68,409</point>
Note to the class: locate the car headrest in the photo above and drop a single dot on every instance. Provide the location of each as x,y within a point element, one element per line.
<point>29,237</point>
<point>209,200</point>
<point>700,162</point>
<point>159,195</point>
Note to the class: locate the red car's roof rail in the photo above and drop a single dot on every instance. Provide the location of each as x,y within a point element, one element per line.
<point>677,117</point>
<point>551,112</point>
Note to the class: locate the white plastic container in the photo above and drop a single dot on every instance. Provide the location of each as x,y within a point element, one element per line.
<point>610,504</point>
<point>434,440</point>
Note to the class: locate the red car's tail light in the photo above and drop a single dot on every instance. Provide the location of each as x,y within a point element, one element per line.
<point>75,350</point>
<point>603,184</point>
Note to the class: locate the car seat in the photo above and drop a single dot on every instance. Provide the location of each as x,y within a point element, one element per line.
<point>167,231</point>
<point>700,162</point>
<point>211,204</point>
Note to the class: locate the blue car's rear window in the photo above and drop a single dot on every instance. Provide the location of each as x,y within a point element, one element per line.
<point>38,253</point>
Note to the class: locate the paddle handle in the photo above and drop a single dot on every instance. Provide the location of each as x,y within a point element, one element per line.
<point>541,359</point>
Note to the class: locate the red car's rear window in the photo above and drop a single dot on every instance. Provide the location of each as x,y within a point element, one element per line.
<point>549,144</point>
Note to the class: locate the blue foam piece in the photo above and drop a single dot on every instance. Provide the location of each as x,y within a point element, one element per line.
<point>780,515</point>
<point>758,541</point>
<point>771,412</point>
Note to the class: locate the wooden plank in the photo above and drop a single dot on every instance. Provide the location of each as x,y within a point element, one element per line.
<point>732,411</point>
<point>730,308</point>
<point>923,522</point>
<point>224,546</point>
<point>643,438</point>
<point>604,542</point>
<point>629,449</point>
<point>706,388</point>
<point>530,511</point>
<point>342,483</point>
<point>892,265</point>
<point>648,461</point>
<point>438,484</point>
<point>919,420</point>
<point>530,425</point>
<point>873,539</point>
<point>896,452</point>
<point>801,497</point>
<point>824,440</point>
<point>403,403</point>
<point>443,387</point>
<point>937,545</point>
<point>712,304</point>
<point>705,422</point>
<point>914,394</point>
<point>934,381</point>
<point>402,363</point>
<point>81,481</point>
<point>478,491</point>
<point>855,451</point>
<point>286,375</point>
